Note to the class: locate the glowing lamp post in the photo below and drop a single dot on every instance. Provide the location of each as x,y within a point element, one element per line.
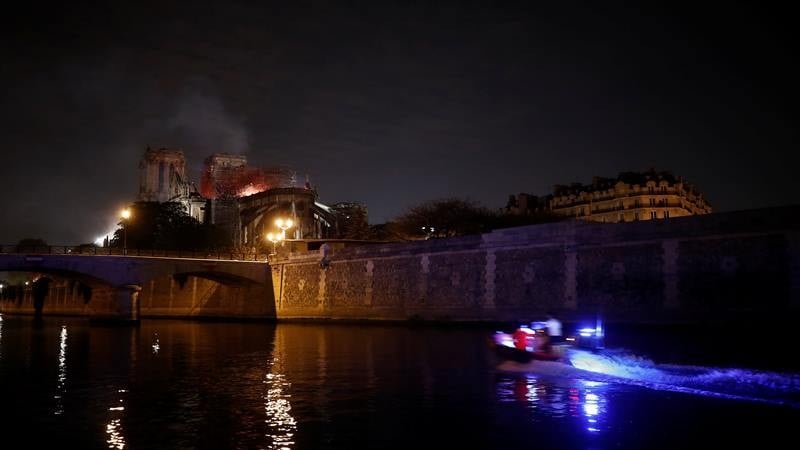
<point>274,238</point>
<point>125,215</point>
<point>284,224</point>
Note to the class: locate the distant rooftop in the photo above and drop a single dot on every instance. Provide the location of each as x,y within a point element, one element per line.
<point>632,178</point>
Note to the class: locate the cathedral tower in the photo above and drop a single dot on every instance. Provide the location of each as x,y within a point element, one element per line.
<point>162,175</point>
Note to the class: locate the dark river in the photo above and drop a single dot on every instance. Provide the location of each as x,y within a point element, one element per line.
<point>66,383</point>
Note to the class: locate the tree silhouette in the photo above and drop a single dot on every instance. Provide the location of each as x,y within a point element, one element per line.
<point>458,217</point>
<point>31,244</point>
<point>444,218</point>
<point>351,221</point>
<point>166,226</point>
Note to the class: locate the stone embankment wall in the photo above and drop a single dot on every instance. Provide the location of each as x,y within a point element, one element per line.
<point>200,297</point>
<point>682,268</point>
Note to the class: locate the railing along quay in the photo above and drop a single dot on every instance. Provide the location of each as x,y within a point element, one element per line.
<point>221,254</point>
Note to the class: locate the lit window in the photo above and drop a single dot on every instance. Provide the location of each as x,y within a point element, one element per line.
<point>652,214</point>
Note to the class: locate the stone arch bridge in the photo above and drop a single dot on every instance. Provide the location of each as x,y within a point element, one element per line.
<point>123,287</point>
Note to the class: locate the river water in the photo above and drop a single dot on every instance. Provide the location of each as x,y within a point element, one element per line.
<point>168,384</point>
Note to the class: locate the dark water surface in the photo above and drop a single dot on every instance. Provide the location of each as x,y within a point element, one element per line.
<point>66,383</point>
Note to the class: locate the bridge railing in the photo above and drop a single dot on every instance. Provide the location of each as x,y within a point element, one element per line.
<point>223,254</point>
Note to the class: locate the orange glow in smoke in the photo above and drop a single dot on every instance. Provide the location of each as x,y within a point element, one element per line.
<point>251,189</point>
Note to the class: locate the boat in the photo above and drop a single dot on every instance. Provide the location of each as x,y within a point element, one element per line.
<point>525,356</point>
<point>524,345</point>
<point>530,343</point>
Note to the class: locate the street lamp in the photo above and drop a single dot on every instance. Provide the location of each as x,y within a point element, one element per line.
<point>125,215</point>
<point>274,238</point>
<point>283,224</point>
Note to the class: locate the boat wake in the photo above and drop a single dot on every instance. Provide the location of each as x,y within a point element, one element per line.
<point>622,367</point>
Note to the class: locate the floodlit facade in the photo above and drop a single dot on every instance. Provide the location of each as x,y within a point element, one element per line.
<point>632,196</point>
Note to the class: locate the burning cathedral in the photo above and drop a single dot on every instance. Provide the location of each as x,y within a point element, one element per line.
<point>242,199</point>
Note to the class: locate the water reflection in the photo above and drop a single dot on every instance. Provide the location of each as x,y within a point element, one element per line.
<point>281,425</point>
<point>62,371</point>
<point>115,439</point>
<point>577,399</point>
<point>156,346</point>
<point>594,406</point>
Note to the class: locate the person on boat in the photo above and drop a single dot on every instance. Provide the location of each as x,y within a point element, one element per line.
<point>520,338</point>
<point>554,329</point>
<point>543,342</point>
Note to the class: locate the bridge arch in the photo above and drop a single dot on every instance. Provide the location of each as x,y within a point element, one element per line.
<point>216,287</point>
<point>51,267</point>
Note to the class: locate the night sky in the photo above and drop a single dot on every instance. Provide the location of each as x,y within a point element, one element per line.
<point>391,103</point>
